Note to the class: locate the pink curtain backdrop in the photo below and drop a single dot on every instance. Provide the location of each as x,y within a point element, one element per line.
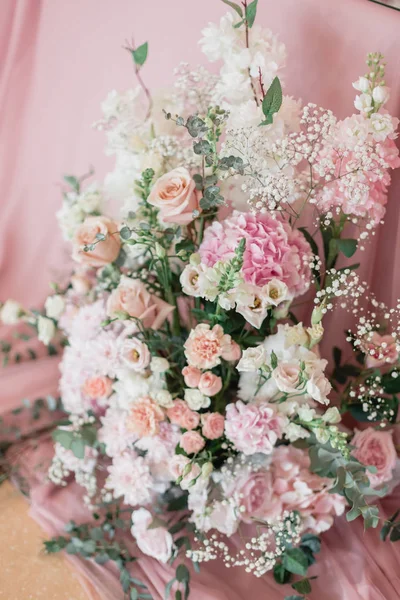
<point>58,60</point>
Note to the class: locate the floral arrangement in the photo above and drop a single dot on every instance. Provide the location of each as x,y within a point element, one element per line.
<point>198,405</point>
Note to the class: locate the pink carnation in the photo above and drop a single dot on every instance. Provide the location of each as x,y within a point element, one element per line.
<point>144,417</point>
<point>273,249</point>
<point>253,428</point>
<point>205,347</point>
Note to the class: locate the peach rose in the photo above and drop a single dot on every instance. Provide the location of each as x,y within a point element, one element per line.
<point>375,448</point>
<point>132,297</point>
<point>205,347</point>
<point>213,425</point>
<point>180,414</point>
<point>380,350</point>
<point>174,194</point>
<point>210,384</point>
<point>104,252</point>
<point>191,376</point>
<point>192,442</point>
<point>144,417</point>
<point>97,387</point>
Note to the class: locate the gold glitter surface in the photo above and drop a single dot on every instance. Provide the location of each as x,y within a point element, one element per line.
<point>26,573</point>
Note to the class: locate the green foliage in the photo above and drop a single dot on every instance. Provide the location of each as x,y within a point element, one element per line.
<point>272,101</point>
<point>73,182</point>
<point>251,12</point>
<point>139,55</point>
<point>347,246</point>
<point>295,561</point>
<point>391,384</point>
<point>76,440</point>
<point>236,7</point>
<point>98,543</point>
<point>350,477</point>
<point>391,528</point>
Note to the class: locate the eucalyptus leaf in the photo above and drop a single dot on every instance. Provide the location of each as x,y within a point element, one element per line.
<point>295,561</point>
<point>347,246</point>
<point>251,12</point>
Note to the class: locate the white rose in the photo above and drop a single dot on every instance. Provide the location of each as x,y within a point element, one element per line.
<point>286,376</point>
<point>54,306</point>
<point>46,330</point>
<point>156,542</point>
<point>159,364</point>
<point>362,85</point>
<point>196,400</point>
<point>163,398</point>
<point>11,312</point>
<point>318,387</point>
<point>332,415</point>
<point>252,359</point>
<point>380,94</point>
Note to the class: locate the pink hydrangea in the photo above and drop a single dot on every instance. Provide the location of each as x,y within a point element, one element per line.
<point>273,249</point>
<point>253,427</point>
<point>299,489</point>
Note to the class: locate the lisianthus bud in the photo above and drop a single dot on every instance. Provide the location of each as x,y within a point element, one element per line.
<point>206,470</point>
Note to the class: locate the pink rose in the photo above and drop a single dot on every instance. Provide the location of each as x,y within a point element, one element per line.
<point>144,417</point>
<point>97,387</point>
<point>232,353</point>
<point>213,425</point>
<point>132,297</point>
<point>286,376</point>
<point>380,350</point>
<point>376,449</point>
<point>253,427</point>
<point>205,347</point>
<point>179,467</point>
<point>192,442</point>
<point>156,542</point>
<point>174,194</point>
<point>135,354</point>
<point>180,414</point>
<point>210,384</point>
<point>104,252</point>
<point>258,499</point>
<point>191,376</point>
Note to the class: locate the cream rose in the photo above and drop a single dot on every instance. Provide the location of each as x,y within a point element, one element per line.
<point>286,376</point>
<point>174,194</point>
<point>54,306</point>
<point>105,251</point>
<point>46,330</point>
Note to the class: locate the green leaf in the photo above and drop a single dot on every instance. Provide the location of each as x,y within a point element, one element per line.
<point>272,101</point>
<point>125,579</point>
<point>140,54</point>
<point>295,561</point>
<point>78,448</point>
<point>202,147</point>
<point>235,7</point>
<point>63,437</point>
<point>310,240</point>
<point>251,12</point>
<point>280,574</point>
<point>391,384</point>
<point>182,573</point>
<point>347,246</point>
<point>274,360</point>
<point>125,233</point>
<point>134,594</point>
<point>168,588</point>
<point>178,595</point>
<point>303,586</point>
<point>73,182</point>
<point>312,542</point>
<point>294,597</point>
<point>337,355</point>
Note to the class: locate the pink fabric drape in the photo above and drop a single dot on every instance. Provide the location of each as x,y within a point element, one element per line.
<point>57,62</point>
